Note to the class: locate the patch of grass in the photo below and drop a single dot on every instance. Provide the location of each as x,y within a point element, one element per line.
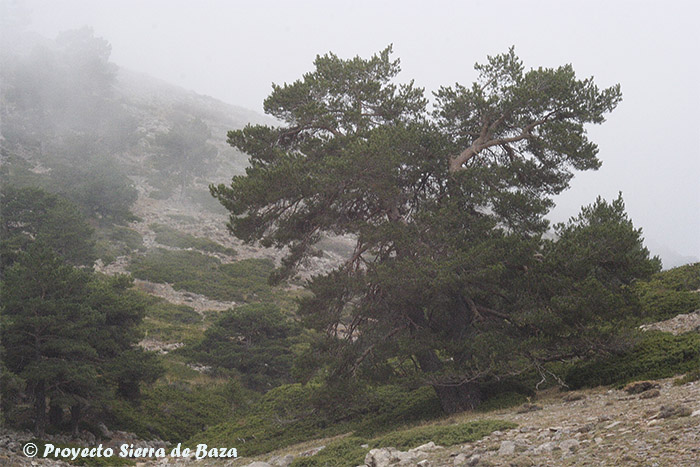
<point>349,451</point>
<point>388,407</point>
<point>117,240</point>
<point>185,219</point>
<point>443,435</point>
<point>288,415</point>
<point>340,453</point>
<point>503,400</point>
<point>656,355</point>
<point>176,369</point>
<point>168,236</point>
<point>161,309</point>
<point>167,322</point>
<point>189,270</point>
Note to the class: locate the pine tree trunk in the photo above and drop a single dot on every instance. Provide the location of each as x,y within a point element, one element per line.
<point>40,409</point>
<point>75,414</point>
<point>55,414</point>
<point>453,398</point>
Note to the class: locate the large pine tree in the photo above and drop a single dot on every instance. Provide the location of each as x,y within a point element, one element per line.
<point>446,208</point>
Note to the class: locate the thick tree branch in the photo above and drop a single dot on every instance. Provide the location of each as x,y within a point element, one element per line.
<point>369,349</point>
<point>484,142</point>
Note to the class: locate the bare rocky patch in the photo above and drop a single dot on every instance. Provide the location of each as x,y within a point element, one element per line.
<point>679,324</point>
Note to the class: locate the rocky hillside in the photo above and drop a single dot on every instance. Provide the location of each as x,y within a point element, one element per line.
<point>136,156</point>
<point>654,424</point>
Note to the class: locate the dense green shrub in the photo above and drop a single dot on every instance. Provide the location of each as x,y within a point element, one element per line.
<point>31,215</point>
<point>254,340</point>
<point>693,375</point>
<point>173,412</point>
<point>171,237</point>
<point>287,415</point>
<point>669,293</point>
<point>117,240</point>
<point>681,278</point>
<point>656,355</point>
<point>189,270</point>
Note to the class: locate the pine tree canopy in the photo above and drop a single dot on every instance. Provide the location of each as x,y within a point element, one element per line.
<point>446,205</point>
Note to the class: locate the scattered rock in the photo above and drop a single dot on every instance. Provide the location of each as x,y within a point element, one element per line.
<point>104,431</point>
<point>427,447</point>
<point>281,461</point>
<point>312,451</point>
<point>386,456</point>
<point>676,325</point>
<point>549,446</point>
<point>522,461</point>
<point>570,445</point>
<point>507,448</point>
<point>259,464</point>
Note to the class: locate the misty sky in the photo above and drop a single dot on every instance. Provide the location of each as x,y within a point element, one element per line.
<point>650,145</point>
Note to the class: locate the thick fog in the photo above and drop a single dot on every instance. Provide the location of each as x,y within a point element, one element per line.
<point>233,51</point>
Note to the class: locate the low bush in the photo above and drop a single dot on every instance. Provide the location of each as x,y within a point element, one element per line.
<point>255,340</point>
<point>656,355</point>
<point>340,453</point>
<point>193,271</point>
<point>173,412</point>
<point>669,293</point>
<point>288,415</point>
<point>443,435</point>
<point>168,236</point>
<point>503,400</point>
<point>689,377</point>
<point>349,451</point>
<point>117,240</point>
